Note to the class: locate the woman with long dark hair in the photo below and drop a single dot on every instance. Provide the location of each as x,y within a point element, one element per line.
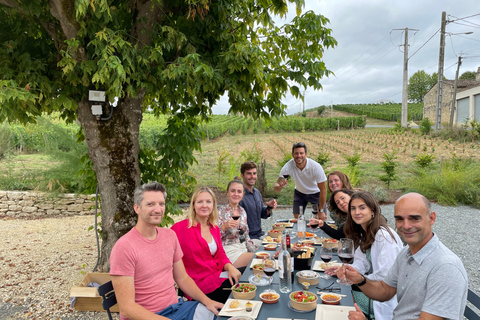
<point>377,246</point>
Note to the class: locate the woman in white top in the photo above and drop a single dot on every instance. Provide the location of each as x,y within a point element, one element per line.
<point>377,246</point>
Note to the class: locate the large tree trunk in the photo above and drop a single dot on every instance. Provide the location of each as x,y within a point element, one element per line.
<point>113,147</point>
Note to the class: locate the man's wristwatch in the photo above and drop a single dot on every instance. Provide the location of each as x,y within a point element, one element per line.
<point>321,210</point>
<point>363,282</point>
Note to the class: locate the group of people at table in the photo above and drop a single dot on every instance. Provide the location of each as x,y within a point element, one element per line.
<point>208,251</point>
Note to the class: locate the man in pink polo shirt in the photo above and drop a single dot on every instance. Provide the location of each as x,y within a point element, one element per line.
<point>147,261</point>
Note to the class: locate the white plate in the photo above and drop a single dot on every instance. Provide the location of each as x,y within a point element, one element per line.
<point>262,282</point>
<point>329,312</point>
<point>241,313</point>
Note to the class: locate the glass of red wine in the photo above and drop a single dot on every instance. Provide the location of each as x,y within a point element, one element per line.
<point>345,254</point>
<point>314,225</point>
<point>240,231</point>
<point>326,256</point>
<point>269,270</point>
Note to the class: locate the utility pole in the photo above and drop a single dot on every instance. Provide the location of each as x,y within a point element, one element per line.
<point>454,98</point>
<point>441,58</point>
<point>404,116</point>
<point>405,83</point>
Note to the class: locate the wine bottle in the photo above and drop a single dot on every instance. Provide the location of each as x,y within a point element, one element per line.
<point>284,268</point>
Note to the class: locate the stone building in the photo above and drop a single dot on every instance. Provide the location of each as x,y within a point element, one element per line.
<point>467,101</point>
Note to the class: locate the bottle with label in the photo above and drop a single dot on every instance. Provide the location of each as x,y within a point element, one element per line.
<point>290,250</point>
<point>301,225</point>
<point>284,268</point>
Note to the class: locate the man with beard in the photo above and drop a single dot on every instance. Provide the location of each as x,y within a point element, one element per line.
<point>309,178</point>
<point>252,202</point>
<point>429,280</point>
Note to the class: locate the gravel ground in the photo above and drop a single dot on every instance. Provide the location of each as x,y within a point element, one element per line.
<point>40,260</point>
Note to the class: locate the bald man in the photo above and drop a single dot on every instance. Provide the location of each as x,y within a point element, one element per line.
<point>429,280</point>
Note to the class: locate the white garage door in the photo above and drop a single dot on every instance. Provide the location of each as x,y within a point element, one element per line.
<point>463,110</point>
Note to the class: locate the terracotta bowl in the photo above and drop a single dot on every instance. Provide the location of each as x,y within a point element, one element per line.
<point>269,297</point>
<point>262,254</point>
<point>330,298</point>
<point>270,247</point>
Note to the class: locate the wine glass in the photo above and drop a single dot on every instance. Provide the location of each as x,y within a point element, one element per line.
<point>326,256</point>
<point>313,225</point>
<point>345,254</point>
<point>269,269</point>
<point>314,210</point>
<point>241,237</point>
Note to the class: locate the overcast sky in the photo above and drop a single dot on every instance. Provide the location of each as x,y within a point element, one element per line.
<point>368,60</point>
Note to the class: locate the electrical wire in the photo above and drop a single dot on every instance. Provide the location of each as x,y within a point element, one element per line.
<point>424,44</point>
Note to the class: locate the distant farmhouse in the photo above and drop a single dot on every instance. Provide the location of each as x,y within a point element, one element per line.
<point>467,101</point>
<point>384,101</point>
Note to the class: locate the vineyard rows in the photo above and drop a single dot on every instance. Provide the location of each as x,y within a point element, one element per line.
<point>389,112</point>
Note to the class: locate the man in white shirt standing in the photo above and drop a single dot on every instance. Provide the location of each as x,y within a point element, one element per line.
<point>309,178</point>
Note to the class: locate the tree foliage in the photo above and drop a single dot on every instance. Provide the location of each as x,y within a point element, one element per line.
<point>175,57</point>
<point>468,75</point>
<point>419,84</point>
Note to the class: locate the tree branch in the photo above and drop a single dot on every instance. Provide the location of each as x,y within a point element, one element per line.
<point>10,3</point>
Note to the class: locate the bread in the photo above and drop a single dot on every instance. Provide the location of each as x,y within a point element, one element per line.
<point>234,304</point>
<point>268,239</point>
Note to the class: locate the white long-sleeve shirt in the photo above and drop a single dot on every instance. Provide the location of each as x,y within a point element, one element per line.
<point>384,251</point>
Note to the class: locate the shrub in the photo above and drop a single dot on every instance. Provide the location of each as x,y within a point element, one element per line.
<point>424,160</point>
<point>425,126</point>
<point>353,160</point>
<point>389,166</point>
<point>323,158</point>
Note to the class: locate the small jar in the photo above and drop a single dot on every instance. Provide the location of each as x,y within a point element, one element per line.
<point>248,306</point>
<point>305,285</point>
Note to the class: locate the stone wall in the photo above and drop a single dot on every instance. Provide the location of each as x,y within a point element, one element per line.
<point>36,204</point>
<point>430,102</point>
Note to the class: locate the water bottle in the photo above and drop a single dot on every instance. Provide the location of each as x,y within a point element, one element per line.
<point>301,225</point>
<point>290,250</point>
<point>285,268</point>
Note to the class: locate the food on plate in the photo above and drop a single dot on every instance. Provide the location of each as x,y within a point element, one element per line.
<point>300,234</point>
<point>244,287</point>
<point>279,239</point>
<point>308,242</point>
<point>234,304</point>
<point>276,254</point>
<point>299,247</point>
<point>309,234</point>
<point>248,306</point>
<point>259,267</point>
<point>268,239</point>
<point>293,220</point>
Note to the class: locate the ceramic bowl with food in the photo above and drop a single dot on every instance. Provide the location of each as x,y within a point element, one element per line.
<point>245,291</point>
<point>330,298</point>
<point>275,233</point>
<point>293,220</point>
<point>279,226</point>
<point>262,255</point>
<point>258,268</point>
<point>309,276</point>
<point>269,297</point>
<point>270,247</point>
<point>303,300</point>
<point>330,243</point>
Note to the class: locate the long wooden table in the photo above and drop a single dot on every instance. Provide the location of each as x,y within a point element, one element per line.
<point>281,309</point>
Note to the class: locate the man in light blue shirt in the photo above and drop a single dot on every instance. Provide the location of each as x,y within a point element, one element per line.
<point>429,279</point>
<point>252,202</point>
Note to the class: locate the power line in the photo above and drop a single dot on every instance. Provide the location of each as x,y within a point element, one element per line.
<point>424,44</point>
